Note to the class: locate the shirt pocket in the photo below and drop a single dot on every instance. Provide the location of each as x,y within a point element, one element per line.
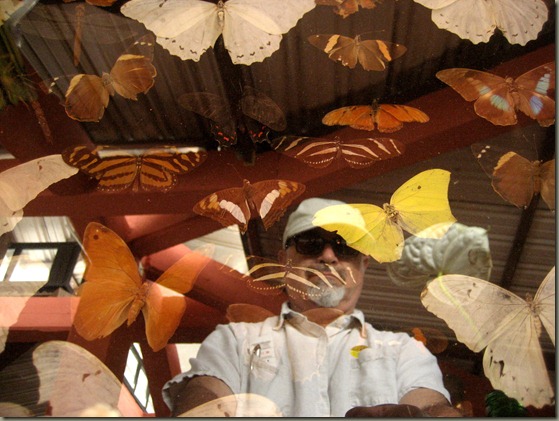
<point>375,372</point>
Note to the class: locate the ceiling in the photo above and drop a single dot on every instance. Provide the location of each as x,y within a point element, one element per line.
<point>305,84</point>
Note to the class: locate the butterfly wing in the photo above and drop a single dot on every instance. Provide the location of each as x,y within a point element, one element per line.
<point>112,282</point>
<point>422,202</point>
<point>132,75</point>
<point>271,198</point>
<point>22,183</point>
<point>262,108</point>
<point>514,179</point>
<point>485,315</point>
<point>520,22</point>
<point>186,28</point>
<point>532,98</point>
<point>253,29</point>
<point>163,311</point>
<point>390,117</point>
<point>313,151</point>
<point>339,48</point>
<point>356,116</point>
<point>86,98</point>
<point>215,108</point>
<point>544,303</point>
<point>160,167</point>
<point>228,207</point>
<point>344,8</point>
<point>363,152</point>
<point>547,179</point>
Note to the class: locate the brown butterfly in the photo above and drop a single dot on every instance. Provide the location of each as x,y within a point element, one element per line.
<point>155,169</point>
<point>344,8</point>
<point>515,177</point>
<point>254,114</point>
<point>87,95</point>
<point>268,199</point>
<point>497,98</point>
<point>320,153</point>
<point>371,54</point>
<point>387,118</point>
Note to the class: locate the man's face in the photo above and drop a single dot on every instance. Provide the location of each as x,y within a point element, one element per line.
<point>326,257</point>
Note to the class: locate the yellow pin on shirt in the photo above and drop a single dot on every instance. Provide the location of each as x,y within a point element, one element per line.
<point>356,350</point>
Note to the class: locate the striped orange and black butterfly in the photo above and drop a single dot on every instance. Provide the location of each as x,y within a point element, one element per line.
<point>255,114</point>
<point>356,153</point>
<point>497,98</point>
<point>344,8</point>
<point>267,199</point>
<point>87,96</point>
<point>154,169</point>
<point>372,54</point>
<point>387,118</point>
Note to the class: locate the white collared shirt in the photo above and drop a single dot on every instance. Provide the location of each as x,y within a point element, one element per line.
<point>311,371</point>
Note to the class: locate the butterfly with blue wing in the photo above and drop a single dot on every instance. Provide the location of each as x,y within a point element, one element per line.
<point>497,99</point>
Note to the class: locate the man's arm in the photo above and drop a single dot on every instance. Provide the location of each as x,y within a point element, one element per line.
<point>196,391</point>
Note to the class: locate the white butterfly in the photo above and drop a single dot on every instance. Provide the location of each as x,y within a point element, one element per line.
<point>22,183</point>
<point>251,29</point>
<point>476,20</point>
<point>484,315</point>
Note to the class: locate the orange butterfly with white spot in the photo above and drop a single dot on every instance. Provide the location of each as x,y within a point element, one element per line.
<point>387,118</point>
<point>344,8</point>
<point>268,199</point>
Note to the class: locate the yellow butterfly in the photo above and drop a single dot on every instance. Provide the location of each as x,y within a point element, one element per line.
<point>420,203</point>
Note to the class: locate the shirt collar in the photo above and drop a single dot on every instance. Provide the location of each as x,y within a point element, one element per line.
<point>341,322</point>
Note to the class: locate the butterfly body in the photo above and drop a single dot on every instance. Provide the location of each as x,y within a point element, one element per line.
<point>267,199</point>
<point>387,118</point>
<point>497,99</point>
<point>371,54</point>
<point>484,315</point>
<point>155,169</point>
<point>251,29</point>
<point>321,152</point>
<point>344,8</point>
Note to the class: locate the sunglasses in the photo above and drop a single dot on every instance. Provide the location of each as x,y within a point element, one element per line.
<point>312,244</point>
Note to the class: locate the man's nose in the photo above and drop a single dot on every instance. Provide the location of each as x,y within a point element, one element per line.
<point>328,255</point>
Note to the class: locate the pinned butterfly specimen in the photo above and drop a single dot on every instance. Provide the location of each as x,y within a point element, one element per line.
<point>386,118</point>
<point>476,20</point>
<point>114,291</point>
<point>515,177</point>
<point>23,183</point>
<point>344,8</point>
<point>484,315</point>
<point>416,205</point>
<point>133,73</point>
<point>321,152</point>
<point>371,54</point>
<point>266,199</point>
<point>254,115</point>
<point>251,29</point>
<point>58,379</point>
<point>497,99</point>
<point>154,169</point>
<point>271,277</point>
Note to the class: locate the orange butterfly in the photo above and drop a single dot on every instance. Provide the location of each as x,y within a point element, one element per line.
<point>514,177</point>
<point>371,54</point>
<point>387,118</point>
<point>114,292</point>
<point>268,199</point>
<point>133,73</point>
<point>320,153</point>
<point>344,8</point>
<point>497,98</point>
<point>157,167</point>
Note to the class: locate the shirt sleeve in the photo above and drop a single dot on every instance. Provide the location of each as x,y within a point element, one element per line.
<point>218,356</point>
<point>417,368</point>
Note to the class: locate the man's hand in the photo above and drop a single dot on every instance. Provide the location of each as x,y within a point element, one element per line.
<point>386,411</point>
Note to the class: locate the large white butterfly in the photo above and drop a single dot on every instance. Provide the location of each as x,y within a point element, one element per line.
<point>476,20</point>
<point>484,315</point>
<point>251,29</point>
<point>21,184</point>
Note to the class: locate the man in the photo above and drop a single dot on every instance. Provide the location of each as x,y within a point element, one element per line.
<point>314,362</point>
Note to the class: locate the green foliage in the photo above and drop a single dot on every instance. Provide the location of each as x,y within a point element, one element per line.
<point>497,404</point>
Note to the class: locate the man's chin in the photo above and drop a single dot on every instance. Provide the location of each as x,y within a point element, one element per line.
<point>329,297</point>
